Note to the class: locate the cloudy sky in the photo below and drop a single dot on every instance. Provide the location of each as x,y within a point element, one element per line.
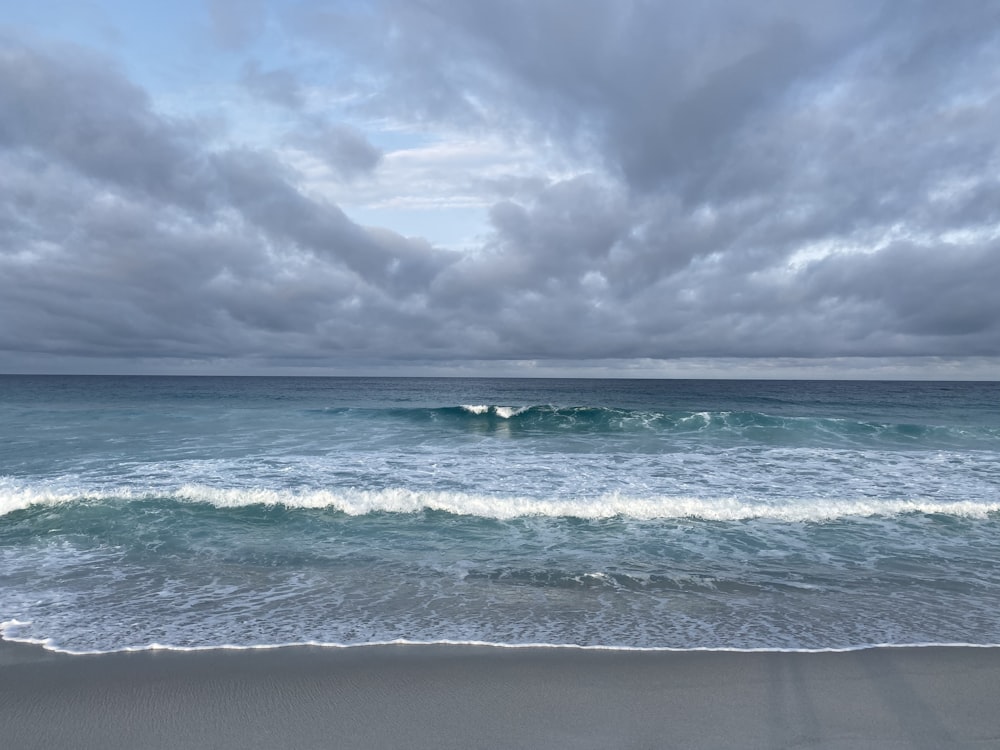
<point>538,187</point>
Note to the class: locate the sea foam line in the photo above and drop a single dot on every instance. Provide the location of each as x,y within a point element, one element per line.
<point>8,627</point>
<point>402,500</point>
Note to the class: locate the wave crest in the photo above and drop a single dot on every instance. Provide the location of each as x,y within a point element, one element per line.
<point>503,412</point>
<point>614,505</point>
<point>740,425</point>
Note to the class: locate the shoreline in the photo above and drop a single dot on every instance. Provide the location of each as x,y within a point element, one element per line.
<point>478,696</point>
<point>47,646</point>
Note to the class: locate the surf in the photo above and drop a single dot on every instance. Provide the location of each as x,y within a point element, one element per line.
<point>352,502</point>
<point>711,426</point>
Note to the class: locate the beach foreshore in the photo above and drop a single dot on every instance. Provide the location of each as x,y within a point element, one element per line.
<point>453,696</point>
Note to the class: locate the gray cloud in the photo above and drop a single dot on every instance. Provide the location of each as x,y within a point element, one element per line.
<point>77,110</point>
<point>343,148</point>
<point>113,253</point>
<point>236,23</point>
<point>773,180</point>
<point>278,86</point>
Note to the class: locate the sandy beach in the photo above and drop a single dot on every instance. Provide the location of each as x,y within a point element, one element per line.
<point>482,697</point>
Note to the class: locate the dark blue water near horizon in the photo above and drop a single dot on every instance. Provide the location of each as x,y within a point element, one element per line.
<point>204,511</point>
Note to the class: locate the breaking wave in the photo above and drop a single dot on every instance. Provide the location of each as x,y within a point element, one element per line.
<point>403,501</point>
<point>751,425</point>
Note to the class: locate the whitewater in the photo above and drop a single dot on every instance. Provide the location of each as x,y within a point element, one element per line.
<point>196,512</point>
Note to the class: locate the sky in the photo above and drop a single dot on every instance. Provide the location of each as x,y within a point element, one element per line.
<point>635,188</point>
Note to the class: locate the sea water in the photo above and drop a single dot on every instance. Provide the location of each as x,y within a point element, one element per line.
<point>202,512</point>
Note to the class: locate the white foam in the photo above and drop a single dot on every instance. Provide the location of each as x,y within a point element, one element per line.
<point>504,412</point>
<point>609,505</point>
<point>476,408</point>
<point>7,634</point>
<point>13,498</point>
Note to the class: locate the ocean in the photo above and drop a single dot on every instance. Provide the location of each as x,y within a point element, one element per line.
<point>195,512</point>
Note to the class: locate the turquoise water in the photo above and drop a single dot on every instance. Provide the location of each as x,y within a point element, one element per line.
<point>192,512</point>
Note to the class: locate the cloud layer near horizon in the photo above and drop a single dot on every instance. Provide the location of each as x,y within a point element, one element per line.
<point>774,180</point>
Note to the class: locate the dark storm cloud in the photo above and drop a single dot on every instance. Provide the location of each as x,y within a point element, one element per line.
<point>773,179</point>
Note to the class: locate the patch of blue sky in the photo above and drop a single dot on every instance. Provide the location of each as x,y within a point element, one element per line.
<point>456,228</point>
<point>157,45</point>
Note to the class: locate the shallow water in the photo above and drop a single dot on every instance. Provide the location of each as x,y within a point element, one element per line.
<point>657,514</point>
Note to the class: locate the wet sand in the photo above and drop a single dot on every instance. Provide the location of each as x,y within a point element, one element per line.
<point>479,697</point>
